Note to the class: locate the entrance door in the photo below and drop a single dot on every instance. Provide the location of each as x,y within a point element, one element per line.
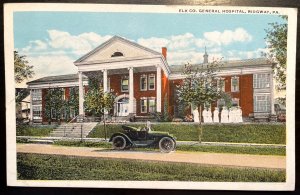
<point>123,105</point>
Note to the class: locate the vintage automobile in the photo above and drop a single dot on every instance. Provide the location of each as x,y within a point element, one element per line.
<point>133,137</point>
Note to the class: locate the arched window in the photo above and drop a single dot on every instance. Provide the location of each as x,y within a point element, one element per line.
<point>117,54</point>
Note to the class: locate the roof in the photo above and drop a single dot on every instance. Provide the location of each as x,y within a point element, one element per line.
<point>230,64</point>
<point>175,69</point>
<point>56,79</point>
<point>109,41</point>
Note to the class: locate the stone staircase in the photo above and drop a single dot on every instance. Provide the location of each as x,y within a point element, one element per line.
<point>73,130</point>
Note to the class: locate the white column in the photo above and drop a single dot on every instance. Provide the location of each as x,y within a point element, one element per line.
<point>158,88</point>
<point>272,93</point>
<point>31,107</point>
<point>81,98</point>
<point>104,80</point>
<point>131,90</point>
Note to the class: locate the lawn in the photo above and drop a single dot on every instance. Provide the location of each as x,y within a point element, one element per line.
<point>52,167</point>
<point>192,148</point>
<point>239,133</point>
<point>34,130</point>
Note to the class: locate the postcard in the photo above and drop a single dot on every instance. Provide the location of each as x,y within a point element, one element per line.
<point>150,96</point>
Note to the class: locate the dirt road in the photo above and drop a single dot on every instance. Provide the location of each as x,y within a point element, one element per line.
<point>223,159</point>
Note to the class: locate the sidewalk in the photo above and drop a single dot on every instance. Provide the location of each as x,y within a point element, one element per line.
<point>52,139</point>
<point>236,160</point>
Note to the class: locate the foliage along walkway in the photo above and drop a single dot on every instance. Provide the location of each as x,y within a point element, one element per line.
<point>237,160</point>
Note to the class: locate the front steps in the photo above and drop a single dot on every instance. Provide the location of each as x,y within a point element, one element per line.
<point>73,130</point>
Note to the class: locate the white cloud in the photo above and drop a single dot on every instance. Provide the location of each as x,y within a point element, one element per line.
<point>52,65</point>
<point>228,36</point>
<point>79,44</point>
<point>154,43</point>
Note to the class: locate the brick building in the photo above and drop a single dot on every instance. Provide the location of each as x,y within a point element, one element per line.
<point>143,81</point>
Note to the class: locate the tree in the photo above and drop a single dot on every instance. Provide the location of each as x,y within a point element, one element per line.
<point>54,104</point>
<point>97,101</point>
<point>200,88</point>
<point>22,69</point>
<point>277,44</point>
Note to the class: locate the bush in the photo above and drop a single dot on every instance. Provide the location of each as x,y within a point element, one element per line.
<point>55,167</point>
<point>239,133</point>
<point>34,130</point>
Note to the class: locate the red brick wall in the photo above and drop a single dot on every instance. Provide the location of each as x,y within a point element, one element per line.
<point>246,89</point>
<point>115,85</point>
<point>67,93</point>
<point>245,93</point>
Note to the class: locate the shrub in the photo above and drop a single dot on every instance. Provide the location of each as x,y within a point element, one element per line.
<point>34,130</point>
<point>239,133</point>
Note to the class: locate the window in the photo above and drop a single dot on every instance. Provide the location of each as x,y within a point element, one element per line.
<point>72,112</point>
<point>261,81</point>
<point>144,105</point>
<point>53,113</point>
<point>124,84</point>
<point>143,83</point>
<point>234,84</point>
<point>235,102</point>
<point>36,94</point>
<point>37,112</point>
<point>117,54</point>
<point>151,82</point>
<point>262,103</point>
<point>221,84</point>
<point>152,105</point>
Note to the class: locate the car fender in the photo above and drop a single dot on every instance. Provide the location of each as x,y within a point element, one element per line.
<point>121,134</point>
<point>160,137</point>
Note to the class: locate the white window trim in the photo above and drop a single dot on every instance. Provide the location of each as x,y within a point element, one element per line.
<point>141,105</point>
<point>151,75</point>
<point>122,84</point>
<point>154,99</point>
<point>141,77</point>
<point>36,94</point>
<point>256,109</point>
<point>219,83</point>
<point>63,94</point>
<point>263,82</point>
<point>108,83</point>
<point>238,84</point>
<point>40,111</point>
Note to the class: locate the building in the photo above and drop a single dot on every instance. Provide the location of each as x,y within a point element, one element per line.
<point>22,104</point>
<point>143,81</point>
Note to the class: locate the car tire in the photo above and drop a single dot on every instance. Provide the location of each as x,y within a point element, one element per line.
<point>119,143</point>
<point>166,144</point>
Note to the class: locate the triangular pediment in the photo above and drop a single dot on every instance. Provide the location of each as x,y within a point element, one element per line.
<point>117,48</point>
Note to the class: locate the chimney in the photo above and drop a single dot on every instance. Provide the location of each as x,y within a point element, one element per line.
<point>164,52</point>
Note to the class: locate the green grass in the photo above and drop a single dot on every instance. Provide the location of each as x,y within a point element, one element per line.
<point>234,149</point>
<point>239,133</point>
<point>83,144</point>
<point>34,130</point>
<point>53,167</point>
<point>191,148</point>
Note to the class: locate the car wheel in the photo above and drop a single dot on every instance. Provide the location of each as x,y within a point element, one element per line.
<point>119,143</point>
<point>166,144</point>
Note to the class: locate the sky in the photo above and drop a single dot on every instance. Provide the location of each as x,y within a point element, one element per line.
<point>52,41</point>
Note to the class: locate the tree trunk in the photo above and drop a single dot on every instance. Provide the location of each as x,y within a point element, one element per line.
<point>200,130</point>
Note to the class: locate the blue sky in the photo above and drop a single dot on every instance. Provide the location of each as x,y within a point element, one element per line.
<point>53,40</point>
